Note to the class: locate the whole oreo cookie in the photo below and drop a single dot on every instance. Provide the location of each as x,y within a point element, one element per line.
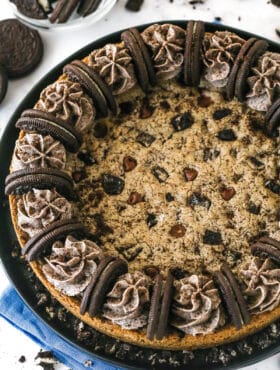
<point>3,83</point>
<point>21,48</point>
<point>30,8</point>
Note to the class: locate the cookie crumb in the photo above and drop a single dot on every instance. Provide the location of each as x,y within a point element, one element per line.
<point>22,359</point>
<point>134,5</point>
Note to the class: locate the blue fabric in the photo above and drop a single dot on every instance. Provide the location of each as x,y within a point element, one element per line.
<point>14,310</point>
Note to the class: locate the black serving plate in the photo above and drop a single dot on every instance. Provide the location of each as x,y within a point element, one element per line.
<point>254,348</point>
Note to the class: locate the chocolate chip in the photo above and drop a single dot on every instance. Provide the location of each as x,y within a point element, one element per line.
<point>204,101</point>
<point>112,185</point>
<point>227,135</point>
<point>256,162</point>
<point>129,163</point>
<point>212,237</point>
<point>146,110</point>
<point>182,121</point>
<point>197,199</point>
<point>134,5</point>
<point>210,154</point>
<point>145,139</point>
<point>151,271</point>
<point>177,231</point>
<point>190,173</point>
<point>134,198</point>
<point>169,197</point>
<point>151,220</point>
<point>126,107</point>
<point>78,176</point>
<point>228,193</point>
<point>221,113</point>
<point>100,130</point>
<point>87,158</point>
<point>273,186</point>
<point>160,173</point>
<point>130,251</point>
<point>253,208</point>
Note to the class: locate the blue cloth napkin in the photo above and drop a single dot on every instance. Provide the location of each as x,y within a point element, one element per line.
<point>14,310</point>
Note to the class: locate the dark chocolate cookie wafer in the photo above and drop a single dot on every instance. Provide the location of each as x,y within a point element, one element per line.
<point>272,119</point>
<point>267,247</point>
<point>192,57</point>
<point>46,123</point>
<point>106,273</point>
<point>22,181</point>
<point>229,299</point>
<point>160,307</point>
<point>63,10</point>
<point>237,292</point>
<point>30,8</point>
<point>142,72</point>
<point>250,51</point>
<point>3,83</point>
<point>39,243</point>
<point>101,94</point>
<point>21,48</point>
<point>88,6</point>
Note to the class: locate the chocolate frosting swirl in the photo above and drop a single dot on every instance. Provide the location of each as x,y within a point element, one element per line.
<point>67,101</point>
<point>113,63</point>
<point>197,306</point>
<point>71,265</point>
<point>220,50</point>
<point>262,280</point>
<point>166,42</point>
<point>126,303</point>
<point>37,151</point>
<point>264,82</point>
<point>39,208</point>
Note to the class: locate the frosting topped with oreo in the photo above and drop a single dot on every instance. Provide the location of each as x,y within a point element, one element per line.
<point>35,151</point>
<point>68,101</point>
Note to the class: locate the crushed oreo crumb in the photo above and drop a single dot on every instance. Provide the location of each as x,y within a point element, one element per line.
<point>273,186</point>
<point>22,359</point>
<point>145,139</point>
<point>253,208</point>
<point>112,185</point>
<point>160,173</point>
<point>87,158</point>
<point>100,130</point>
<point>212,237</point>
<point>226,135</point>
<point>198,199</point>
<point>169,197</point>
<point>221,113</point>
<point>134,5</point>
<point>151,220</point>
<point>182,121</point>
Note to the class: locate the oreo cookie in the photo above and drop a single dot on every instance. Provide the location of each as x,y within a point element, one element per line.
<point>46,123</point>
<point>272,119</point>
<point>141,57</point>
<point>39,243</point>
<point>88,6</point>
<point>101,94</point>
<point>21,48</point>
<point>268,248</point>
<point>22,181</point>
<point>192,57</point>
<point>3,83</point>
<point>106,273</point>
<point>160,307</point>
<point>232,297</point>
<point>250,51</point>
<point>30,8</point>
<point>63,10</point>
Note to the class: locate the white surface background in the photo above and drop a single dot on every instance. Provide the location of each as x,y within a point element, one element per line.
<point>257,16</point>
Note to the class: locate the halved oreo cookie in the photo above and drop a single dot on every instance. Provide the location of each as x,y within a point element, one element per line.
<point>88,6</point>
<point>39,243</point>
<point>3,83</point>
<point>267,247</point>
<point>106,273</point>
<point>272,118</point>
<point>46,123</point>
<point>192,57</point>
<point>160,307</point>
<point>141,57</point>
<point>229,299</point>
<point>101,94</point>
<point>22,181</point>
<point>250,51</point>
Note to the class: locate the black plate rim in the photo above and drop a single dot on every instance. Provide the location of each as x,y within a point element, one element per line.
<point>7,145</point>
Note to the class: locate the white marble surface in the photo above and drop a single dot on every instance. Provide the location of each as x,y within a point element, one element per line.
<point>257,16</point>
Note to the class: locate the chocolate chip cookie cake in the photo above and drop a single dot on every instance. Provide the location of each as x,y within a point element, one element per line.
<point>144,187</point>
